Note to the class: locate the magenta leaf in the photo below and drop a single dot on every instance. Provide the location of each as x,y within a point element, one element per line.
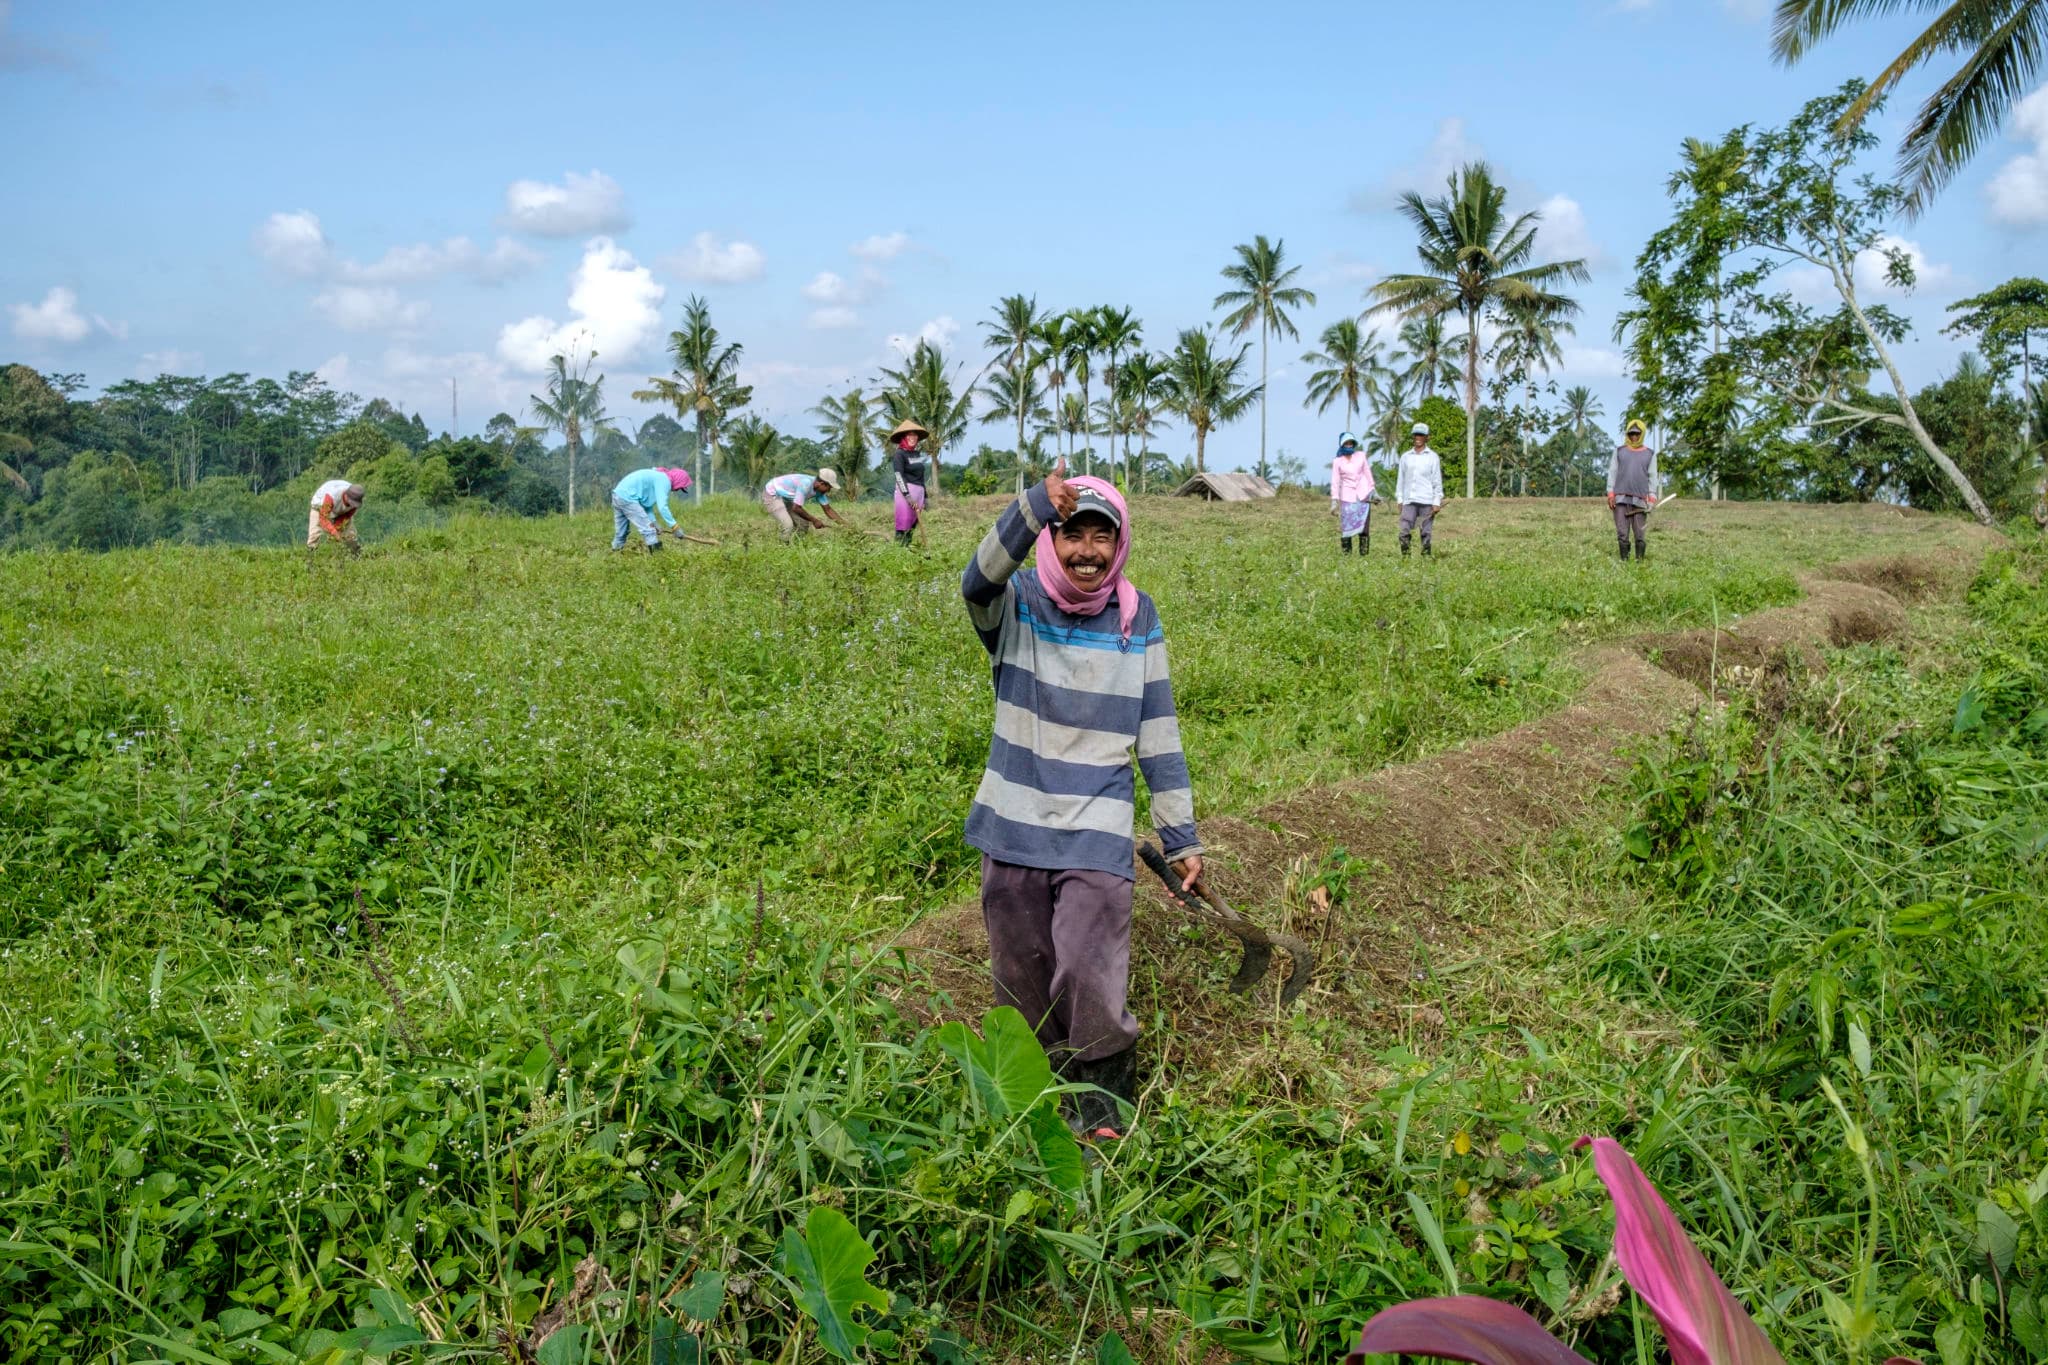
<point>1702,1322</point>
<point>1467,1327</point>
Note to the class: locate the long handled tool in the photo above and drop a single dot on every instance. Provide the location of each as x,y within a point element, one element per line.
<point>1258,943</point>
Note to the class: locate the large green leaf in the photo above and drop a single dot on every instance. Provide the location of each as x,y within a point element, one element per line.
<point>1005,1065</point>
<point>826,1263</point>
<point>1057,1151</point>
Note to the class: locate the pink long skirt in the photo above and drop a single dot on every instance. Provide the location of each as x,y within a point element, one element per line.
<point>909,504</point>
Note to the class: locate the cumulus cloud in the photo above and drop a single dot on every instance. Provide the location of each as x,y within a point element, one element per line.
<point>294,243</point>
<point>616,307</point>
<point>831,319</point>
<point>1448,149</point>
<point>829,287</point>
<point>368,308</point>
<point>940,331</point>
<point>883,246</point>
<point>59,319</point>
<point>1592,362</point>
<point>2019,192</point>
<point>422,261</point>
<point>710,261</point>
<point>1873,266</point>
<point>580,205</point>
<point>1562,235</point>
<point>172,361</point>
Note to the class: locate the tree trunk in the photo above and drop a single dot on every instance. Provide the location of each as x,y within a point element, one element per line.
<point>1201,440</point>
<point>571,433</point>
<point>697,489</point>
<point>1472,403</point>
<point>1262,390</point>
<point>1971,498</point>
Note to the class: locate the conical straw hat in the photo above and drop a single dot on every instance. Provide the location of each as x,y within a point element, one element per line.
<point>910,424</point>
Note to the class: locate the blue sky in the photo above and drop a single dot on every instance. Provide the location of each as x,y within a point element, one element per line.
<point>401,194</point>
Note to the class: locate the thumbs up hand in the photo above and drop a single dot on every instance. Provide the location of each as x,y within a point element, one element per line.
<point>1064,498</point>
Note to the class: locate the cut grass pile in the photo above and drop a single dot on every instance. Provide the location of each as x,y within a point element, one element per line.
<point>247,1114</point>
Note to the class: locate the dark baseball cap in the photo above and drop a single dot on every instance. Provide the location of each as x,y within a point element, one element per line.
<point>1092,500</point>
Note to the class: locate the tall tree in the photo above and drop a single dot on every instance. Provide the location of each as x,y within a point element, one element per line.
<point>1433,351</point>
<point>574,405</point>
<point>1527,346</point>
<point>1116,331</point>
<point>923,391</point>
<point>850,425</point>
<point>1054,348</point>
<point>2002,44</point>
<point>1141,388</point>
<point>1581,409</point>
<point>1011,331</point>
<point>1205,387</point>
<point>1349,361</point>
<point>1263,294</point>
<point>1388,395</point>
<point>1080,358</point>
<point>2003,320</point>
<point>1475,257</point>
<point>752,451</point>
<point>705,384</point>
<point>1801,204</point>
<point>1013,392</point>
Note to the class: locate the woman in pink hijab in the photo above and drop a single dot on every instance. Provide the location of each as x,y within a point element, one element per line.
<point>1080,681</point>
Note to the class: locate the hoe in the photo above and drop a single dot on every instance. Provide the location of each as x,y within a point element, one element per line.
<point>1209,908</point>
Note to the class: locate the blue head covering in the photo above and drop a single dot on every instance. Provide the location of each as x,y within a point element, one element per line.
<point>1346,439</point>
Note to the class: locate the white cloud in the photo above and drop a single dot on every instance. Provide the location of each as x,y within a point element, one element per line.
<point>1448,149</point>
<point>883,246</point>
<point>58,318</point>
<point>368,308</point>
<point>616,305</point>
<point>828,287</point>
<point>1749,11</point>
<point>580,205</point>
<point>1873,264</point>
<point>456,256</point>
<point>1563,235</point>
<point>337,370</point>
<point>831,319</point>
<point>711,261</point>
<point>2019,192</point>
<point>940,332</point>
<point>294,242</point>
<point>173,361</point>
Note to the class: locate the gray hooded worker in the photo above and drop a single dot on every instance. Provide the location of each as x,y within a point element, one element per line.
<point>1631,488</point>
<point>1419,488</point>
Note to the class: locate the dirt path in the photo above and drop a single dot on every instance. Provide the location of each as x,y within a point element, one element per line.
<point>1461,816</point>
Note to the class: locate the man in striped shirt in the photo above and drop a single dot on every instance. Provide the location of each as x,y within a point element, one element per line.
<point>1080,680</point>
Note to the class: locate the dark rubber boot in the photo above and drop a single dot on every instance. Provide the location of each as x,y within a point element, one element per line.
<point>1098,1112</point>
<point>1427,553</point>
<point>1641,549</point>
<point>1624,552</point>
<point>1404,547</point>
<point>1345,541</point>
<point>1365,543</point>
<point>903,537</point>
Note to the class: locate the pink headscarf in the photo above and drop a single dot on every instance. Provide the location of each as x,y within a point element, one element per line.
<point>1052,575</point>
<point>678,479</point>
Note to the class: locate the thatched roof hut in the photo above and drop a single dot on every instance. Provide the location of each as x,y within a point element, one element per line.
<point>1225,487</point>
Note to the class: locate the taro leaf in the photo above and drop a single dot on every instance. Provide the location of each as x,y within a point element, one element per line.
<point>2029,1318</point>
<point>675,1344</point>
<point>1006,1065</point>
<point>826,1262</point>
<point>1112,1351</point>
<point>1998,1236</point>
<point>1057,1150</point>
<point>1637,842</point>
<point>564,1346</point>
<point>1969,712</point>
<point>1702,1322</point>
<point>946,1349</point>
<point>704,1297</point>
<point>1467,1327</point>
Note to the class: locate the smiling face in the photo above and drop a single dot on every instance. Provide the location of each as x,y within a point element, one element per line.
<point>1086,546</point>
<point>908,440</point>
<point>1420,440</point>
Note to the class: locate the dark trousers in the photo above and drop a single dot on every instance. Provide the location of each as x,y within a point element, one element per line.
<point>1417,516</point>
<point>1059,947</point>
<point>1630,521</point>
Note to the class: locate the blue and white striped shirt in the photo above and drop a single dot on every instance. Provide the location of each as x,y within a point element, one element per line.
<point>1072,699</point>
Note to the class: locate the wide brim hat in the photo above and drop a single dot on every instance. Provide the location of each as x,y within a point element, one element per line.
<point>829,475</point>
<point>1419,429</point>
<point>910,424</point>
<point>1347,439</point>
<point>352,496</point>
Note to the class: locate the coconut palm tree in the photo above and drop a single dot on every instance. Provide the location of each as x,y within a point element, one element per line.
<point>1350,360</point>
<point>1527,345</point>
<point>1014,392</point>
<point>923,391</point>
<point>1010,331</point>
<point>574,406</point>
<point>1581,406</point>
<point>1262,297</point>
<point>1142,389</point>
<point>1388,394</point>
<point>1475,257</point>
<point>1116,330</point>
<point>2002,44</point>
<point>1054,349</point>
<point>704,385</point>
<point>1426,340</point>
<point>851,425</point>
<point>1081,348</point>
<point>1206,387</point>
<point>752,451</point>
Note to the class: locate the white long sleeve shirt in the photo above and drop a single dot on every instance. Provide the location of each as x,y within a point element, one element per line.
<point>1421,478</point>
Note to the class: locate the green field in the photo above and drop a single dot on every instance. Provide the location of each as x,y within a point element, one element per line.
<point>384,938</point>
